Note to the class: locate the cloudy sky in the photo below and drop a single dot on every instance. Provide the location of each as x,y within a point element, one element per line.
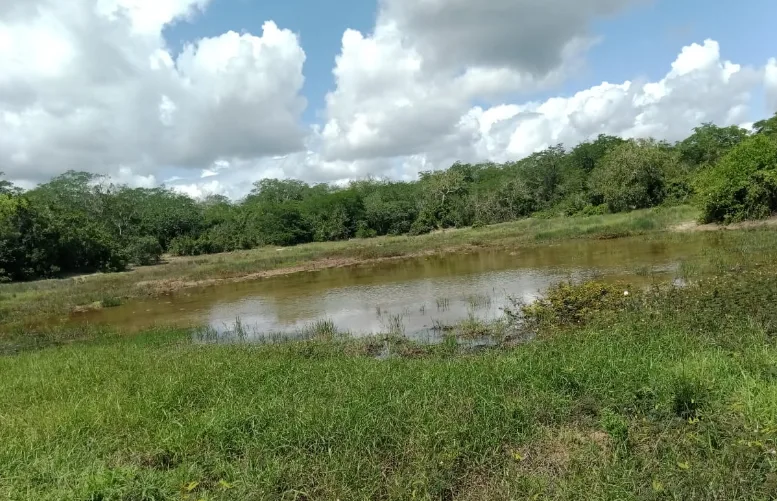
<point>209,96</point>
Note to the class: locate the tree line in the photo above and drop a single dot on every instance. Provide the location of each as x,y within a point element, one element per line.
<point>79,222</point>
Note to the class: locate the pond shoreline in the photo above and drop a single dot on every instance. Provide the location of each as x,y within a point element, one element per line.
<point>28,304</point>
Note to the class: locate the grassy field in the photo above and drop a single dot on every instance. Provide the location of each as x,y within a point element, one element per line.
<point>667,393</point>
<point>25,304</point>
<point>671,395</point>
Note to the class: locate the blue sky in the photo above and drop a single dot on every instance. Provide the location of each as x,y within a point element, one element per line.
<point>638,43</point>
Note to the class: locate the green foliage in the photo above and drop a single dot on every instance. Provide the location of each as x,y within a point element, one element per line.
<point>568,303</point>
<point>443,202</point>
<point>767,127</point>
<point>688,398</point>
<point>6,187</point>
<point>633,176</point>
<point>110,302</point>
<point>743,185</point>
<point>588,155</point>
<point>709,143</point>
<point>28,240</point>
<point>281,224</point>
<point>144,251</point>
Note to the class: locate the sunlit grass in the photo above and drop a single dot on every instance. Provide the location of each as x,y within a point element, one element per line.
<point>672,397</point>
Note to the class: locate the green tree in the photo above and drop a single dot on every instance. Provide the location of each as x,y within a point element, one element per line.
<point>280,224</point>
<point>144,251</point>
<point>278,191</point>
<point>544,174</point>
<point>587,155</point>
<point>709,143</point>
<point>7,187</point>
<point>443,200</point>
<point>633,175</point>
<point>28,241</point>
<point>767,127</point>
<point>743,185</point>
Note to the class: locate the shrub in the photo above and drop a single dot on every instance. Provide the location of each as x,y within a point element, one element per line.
<point>594,210</point>
<point>743,185</point>
<point>567,303</point>
<point>110,302</point>
<point>633,176</point>
<point>144,251</point>
<point>184,246</point>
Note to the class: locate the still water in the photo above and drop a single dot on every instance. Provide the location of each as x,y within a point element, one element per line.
<point>419,294</point>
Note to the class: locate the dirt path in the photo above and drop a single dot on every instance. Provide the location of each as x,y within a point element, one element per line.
<point>695,226</point>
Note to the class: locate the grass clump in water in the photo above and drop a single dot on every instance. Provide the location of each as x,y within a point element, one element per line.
<point>111,302</point>
<point>569,303</point>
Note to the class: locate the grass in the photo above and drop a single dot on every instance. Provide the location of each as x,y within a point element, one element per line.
<point>673,397</point>
<point>33,303</point>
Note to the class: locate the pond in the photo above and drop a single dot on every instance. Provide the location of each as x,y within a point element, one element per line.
<point>414,296</point>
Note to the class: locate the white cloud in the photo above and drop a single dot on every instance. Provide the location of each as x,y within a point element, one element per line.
<point>700,87</point>
<point>529,36</point>
<point>92,86</point>
<point>770,81</point>
<point>431,122</point>
<point>395,92</point>
<point>149,16</point>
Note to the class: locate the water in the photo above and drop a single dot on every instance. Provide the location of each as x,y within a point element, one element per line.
<point>414,297</point>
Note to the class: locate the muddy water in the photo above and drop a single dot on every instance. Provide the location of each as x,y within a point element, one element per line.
<point>414,295</point>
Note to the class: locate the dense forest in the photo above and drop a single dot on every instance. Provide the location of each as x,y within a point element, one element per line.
<point>80,222</point>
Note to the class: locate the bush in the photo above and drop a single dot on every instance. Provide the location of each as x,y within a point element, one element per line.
<point>568,303</point>
<point>743,185</point>
<point>184,246</point>
<point>633,176</point>
<point>144,251</point>
<point>595,210</point>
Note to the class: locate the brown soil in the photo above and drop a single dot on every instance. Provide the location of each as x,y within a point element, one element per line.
<point>694,226</point>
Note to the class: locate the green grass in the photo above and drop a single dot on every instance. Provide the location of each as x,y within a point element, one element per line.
<point>27,304</point>
<point>672,396</point>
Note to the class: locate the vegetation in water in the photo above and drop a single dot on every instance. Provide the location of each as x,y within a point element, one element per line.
<point>78,222</point>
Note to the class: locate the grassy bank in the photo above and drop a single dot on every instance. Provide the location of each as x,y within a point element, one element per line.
<point>669,395</point>
<point>28,303</point>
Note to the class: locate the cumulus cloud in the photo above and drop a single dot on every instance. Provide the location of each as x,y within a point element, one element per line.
<point>92,86</point>
<point>770,82</point>
<point>417,74</point>
<point>526,35</point>
<point>388,105</point>
<point>700,87</point>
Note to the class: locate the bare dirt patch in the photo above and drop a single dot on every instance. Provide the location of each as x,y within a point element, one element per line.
<point>688,226</point>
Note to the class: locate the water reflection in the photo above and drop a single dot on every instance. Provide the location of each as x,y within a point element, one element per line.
<point>413,295</point>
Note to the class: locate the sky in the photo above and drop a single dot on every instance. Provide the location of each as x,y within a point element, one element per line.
<point>209,96</point>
